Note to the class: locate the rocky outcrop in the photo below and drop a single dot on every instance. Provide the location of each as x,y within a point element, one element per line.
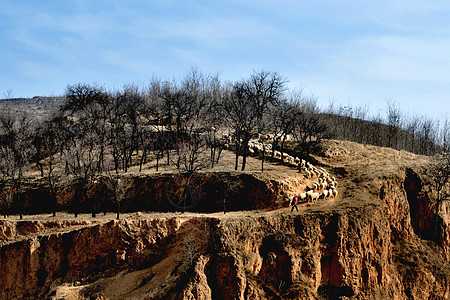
<point>367,250</point>
<point>31,266</point>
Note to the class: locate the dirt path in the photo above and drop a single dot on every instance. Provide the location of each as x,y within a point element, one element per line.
<point>354,166</point>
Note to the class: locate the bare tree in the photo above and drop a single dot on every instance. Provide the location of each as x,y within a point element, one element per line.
<point>81,158</point>
<point>15,152</point>
<point>115,186</point>
<point>155,131</point>
<point>427,136</point>
<point>439,173</point>
<point>191,105</point>
<point>445,135</point>
<point>183,191</point>
<point>50,138</point>
<point>213,120</point>
<point>245,106</point>
<point>6,195</point>
<point>412,128</point>
<point>124,119</point>
<point>394,118</point>
<point>8,94</point>
<point>283,119</point>
<point>309,130</point>
<point>87,107</point>
<point>190,154</point>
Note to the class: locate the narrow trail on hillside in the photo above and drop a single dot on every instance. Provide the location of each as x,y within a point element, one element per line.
<point>45,224</point>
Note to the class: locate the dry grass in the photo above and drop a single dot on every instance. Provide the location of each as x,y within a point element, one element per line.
<point>355,166</point>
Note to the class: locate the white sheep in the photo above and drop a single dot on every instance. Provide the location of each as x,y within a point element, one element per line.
<point>324,175</point>
<point>315,186</point>
<point>264,137</point>
<point>277,154</point>
<point>290,159</point>
<point>302,196</point>
<point>314,196</point>
<point>335,193</point>
<point>308,174</point>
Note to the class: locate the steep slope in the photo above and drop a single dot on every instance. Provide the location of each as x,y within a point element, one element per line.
<point>372,242</point>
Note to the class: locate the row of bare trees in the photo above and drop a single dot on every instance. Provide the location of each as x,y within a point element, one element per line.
<point>97,133</point>
<point>391,128</point>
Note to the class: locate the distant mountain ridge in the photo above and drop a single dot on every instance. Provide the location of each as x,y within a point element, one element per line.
<point>39,106</point>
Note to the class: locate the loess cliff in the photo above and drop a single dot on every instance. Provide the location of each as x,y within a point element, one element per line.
<point>376,240</point>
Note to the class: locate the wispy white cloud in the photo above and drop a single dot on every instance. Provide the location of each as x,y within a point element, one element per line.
<point>342,49</point>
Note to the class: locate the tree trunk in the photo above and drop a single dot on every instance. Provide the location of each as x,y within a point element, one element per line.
<point>157,161</point>
<point>244,160</point>
<point>436,217</point>
<point>282,144</point>
<point>54,199</point>
<point>218,155</point>
<point>144,154</point>
<point>213,154</point>
<point>41,168</point>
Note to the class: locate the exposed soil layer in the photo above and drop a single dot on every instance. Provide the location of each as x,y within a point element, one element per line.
<point>376,240</point>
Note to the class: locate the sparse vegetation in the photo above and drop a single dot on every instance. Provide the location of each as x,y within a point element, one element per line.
<point>182,119</point>
<point>439,174</point>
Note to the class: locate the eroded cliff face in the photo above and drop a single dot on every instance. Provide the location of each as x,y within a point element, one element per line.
<point>149,193</point>
<point>367,251</point>
<point>32,265</point>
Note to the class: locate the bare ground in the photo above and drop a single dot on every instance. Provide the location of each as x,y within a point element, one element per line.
<point>355,166</point>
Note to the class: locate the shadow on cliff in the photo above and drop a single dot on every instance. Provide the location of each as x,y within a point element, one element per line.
<point>425,223</point>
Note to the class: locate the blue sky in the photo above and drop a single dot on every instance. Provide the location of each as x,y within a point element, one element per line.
<point>348,52</point>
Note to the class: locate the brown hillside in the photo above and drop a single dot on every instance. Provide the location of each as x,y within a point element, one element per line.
<point>373,241</point>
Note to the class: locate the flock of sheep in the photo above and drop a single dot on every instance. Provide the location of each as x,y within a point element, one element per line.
<point>324,187</point>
